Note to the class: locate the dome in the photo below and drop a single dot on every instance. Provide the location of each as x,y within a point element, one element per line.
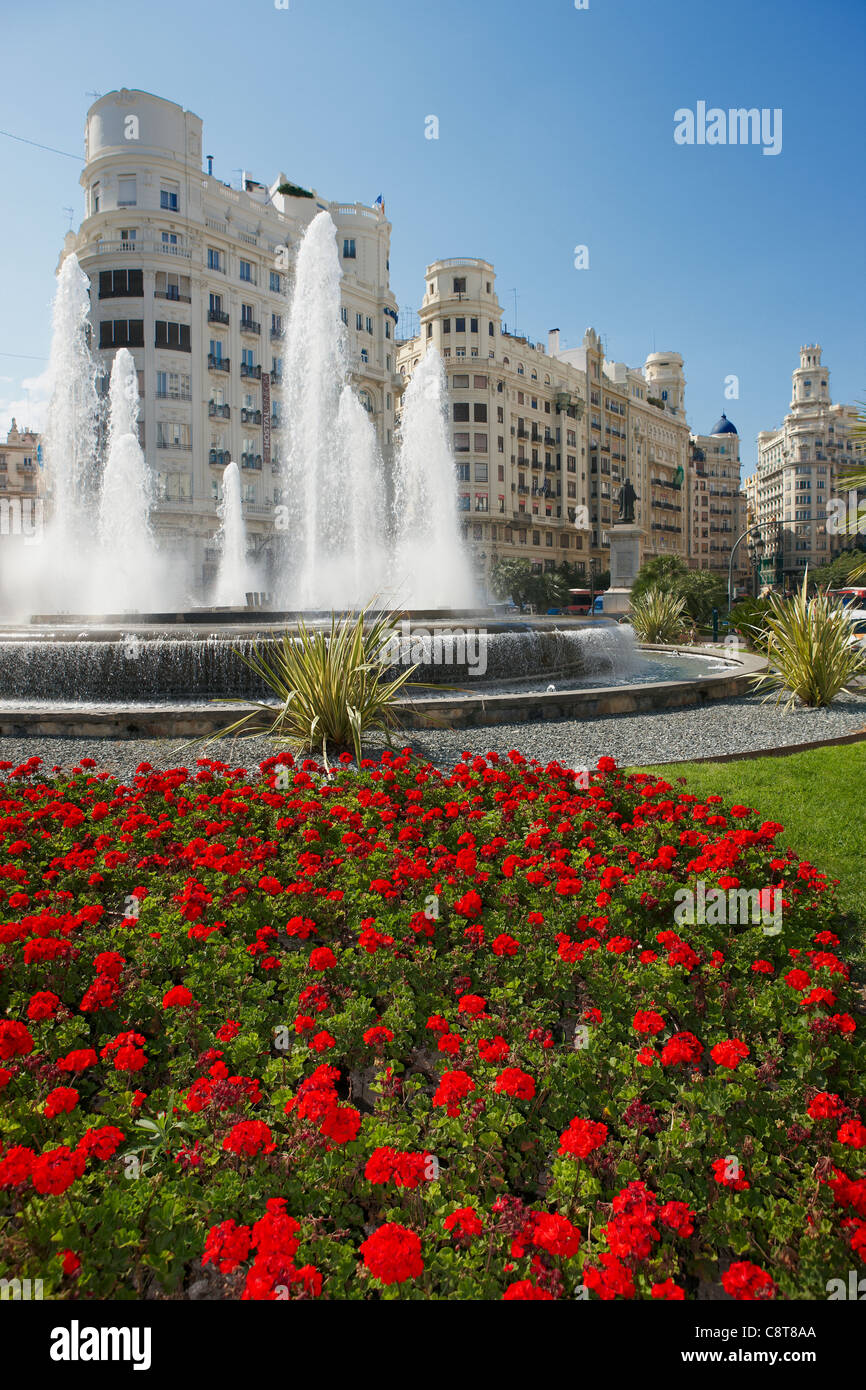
<point>724,426</point>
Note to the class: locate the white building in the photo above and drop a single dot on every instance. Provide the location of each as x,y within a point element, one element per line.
<point>193,276</point>
<point>798,475</point>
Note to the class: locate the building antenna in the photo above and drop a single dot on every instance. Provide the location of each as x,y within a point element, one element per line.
<point>71,212</point>
<point>514,292</point>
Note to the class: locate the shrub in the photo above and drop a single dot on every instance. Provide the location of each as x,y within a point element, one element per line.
<point>658,616</point>
<point>749,619</point>
<point>411,1035</point>
<point>811,648</point>
<point>331,685</point>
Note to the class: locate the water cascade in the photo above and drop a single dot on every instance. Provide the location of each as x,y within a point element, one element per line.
<point>333,473</point>
<point>234,577</point>
<point>431,566</point>
<point>127,563</point>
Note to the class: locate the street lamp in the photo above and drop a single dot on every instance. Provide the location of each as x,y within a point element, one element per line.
<point>754,531</point>
<point>756,551</point>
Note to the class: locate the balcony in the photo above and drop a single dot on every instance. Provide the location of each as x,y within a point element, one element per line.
<point>173,295</point>
<point>250,417</point>
<point>277,333</point>
<point>219,412</point>
<point>220,458</point>
<point>252,461</point>
<point>250,326</point>
<point>147,248</point>
<point>218,364</point>
<point>253,373</point>
<point>217,316</point>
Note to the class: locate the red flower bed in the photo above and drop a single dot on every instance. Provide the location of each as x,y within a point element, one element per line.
<point>401,1034</point>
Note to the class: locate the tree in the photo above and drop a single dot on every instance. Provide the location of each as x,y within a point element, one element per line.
<point>701,590</point>
<point>513,579</point>
<point>841,571</point>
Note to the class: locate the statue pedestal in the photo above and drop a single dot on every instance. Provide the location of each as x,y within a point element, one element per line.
<point>625,538</point>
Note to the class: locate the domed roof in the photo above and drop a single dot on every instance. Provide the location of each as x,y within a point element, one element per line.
<point>724,426</point>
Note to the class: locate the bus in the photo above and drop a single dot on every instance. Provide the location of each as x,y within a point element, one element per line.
<point>579,602</point>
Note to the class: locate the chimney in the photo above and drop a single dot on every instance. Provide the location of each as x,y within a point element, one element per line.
<point>209,159</point>
<point>553,342</point>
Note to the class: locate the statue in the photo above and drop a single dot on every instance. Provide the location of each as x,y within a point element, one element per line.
<point>627,499</point>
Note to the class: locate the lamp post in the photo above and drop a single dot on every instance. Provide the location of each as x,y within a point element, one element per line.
<point>758,548</point>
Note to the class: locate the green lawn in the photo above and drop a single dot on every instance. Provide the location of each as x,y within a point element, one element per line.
<point>817,796</point>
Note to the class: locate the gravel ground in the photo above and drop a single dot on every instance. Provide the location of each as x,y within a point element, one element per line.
<point>724,726</point>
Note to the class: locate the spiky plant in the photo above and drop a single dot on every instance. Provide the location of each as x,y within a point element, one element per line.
<point>812,651</point>
<point>331,685</point>
<point>657,617</point>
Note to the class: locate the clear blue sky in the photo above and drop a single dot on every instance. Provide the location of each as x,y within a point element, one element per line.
<point>556,129</point>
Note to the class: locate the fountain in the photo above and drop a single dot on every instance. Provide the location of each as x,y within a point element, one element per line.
<point>334,476</point>
<point>351,534</point>
<point>234,577</point>
<point>431,565</point>
<point>127,561</point>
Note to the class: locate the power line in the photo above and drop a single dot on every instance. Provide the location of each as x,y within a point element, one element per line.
<point>51,149</point>
<point>26,356</point>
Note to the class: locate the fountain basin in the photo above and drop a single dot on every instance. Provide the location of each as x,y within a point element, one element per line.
<point>488,704</point>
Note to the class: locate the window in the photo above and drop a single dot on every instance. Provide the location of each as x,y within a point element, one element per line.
<point>481,443</point>
<point>349,252</point>
<point>274,283</point>
<point>121,333</point>
<point>461,411</point>
<point>215,259</point>
<point>461,443</point>
<point>481,472</point>
<point>459,325</point>
<point>480,414</point>
<point>173,335</point>
<point>481,503</point>
<point>463,472</point>
<point>359,322</point>
<point>491,331</point>
<point>473,325</point>
<point>246,272</point>
<point>174,386</point>
<point>171,435</point>
<point>168,196</point>
<point>480,384</point>
<point>446,325</point>
<point>460,381</point>
<point>365,356</point>
<point>126,192</point>
<point>460,284</point>
<point>128,233</point>
<point>169,239</point>
<point>369,325</point>
<point>429,330</point>
<point>95,197</point>
<point>118,284</point>
<point>344,315</point>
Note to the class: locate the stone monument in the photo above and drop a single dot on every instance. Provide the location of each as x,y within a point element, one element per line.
<point>625,538</point>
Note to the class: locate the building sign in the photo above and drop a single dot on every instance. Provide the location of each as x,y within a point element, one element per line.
<point>266,419</point>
